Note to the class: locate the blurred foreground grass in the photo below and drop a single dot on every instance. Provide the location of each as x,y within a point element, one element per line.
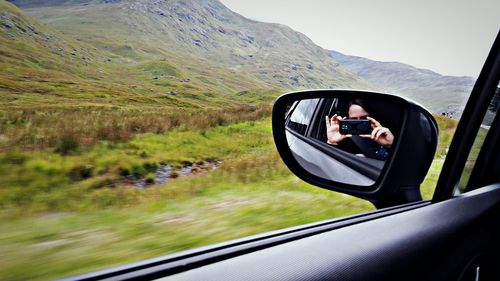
<point>73,226</point>
<point>59,244</point>
<point>68,214</point>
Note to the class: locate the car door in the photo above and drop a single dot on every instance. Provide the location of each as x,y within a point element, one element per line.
<point>454,236</point>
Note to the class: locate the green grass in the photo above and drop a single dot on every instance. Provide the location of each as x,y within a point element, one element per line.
<point>471,159</point>
<point>36,181</point>
<point>55,127</point>
<point>160,68</point>
<point>86,214</point>
<point>429,185</point>
<point>81,220</point>
<point>68,243</point>
<point>447,128</point>
<point>251,192</point>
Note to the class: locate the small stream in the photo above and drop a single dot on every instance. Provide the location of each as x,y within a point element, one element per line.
<point>163,174</point>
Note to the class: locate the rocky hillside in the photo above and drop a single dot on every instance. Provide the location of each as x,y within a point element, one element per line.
<point>25,40</point>
<point>206,43</point>
<point>181,30</point>
<point>444,94</point>
<point>34,58</point>
<point>44,67</point>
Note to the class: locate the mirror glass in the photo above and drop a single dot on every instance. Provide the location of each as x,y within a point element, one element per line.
<point>343,139</point>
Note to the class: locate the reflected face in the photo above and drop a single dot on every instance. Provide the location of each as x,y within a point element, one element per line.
<point>357,112</point>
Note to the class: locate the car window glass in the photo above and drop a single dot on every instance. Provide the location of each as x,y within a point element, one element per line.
<point>478,142</point>
<point>135,129</point>
<point>302,115</point>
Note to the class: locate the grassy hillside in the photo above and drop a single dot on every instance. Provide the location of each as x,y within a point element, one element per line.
<point>57,89</point>
<point>211,42</point>
<point>32,48</point>
<point>188,31</point>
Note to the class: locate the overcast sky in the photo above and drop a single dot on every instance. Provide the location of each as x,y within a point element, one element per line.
<point>452,37</point>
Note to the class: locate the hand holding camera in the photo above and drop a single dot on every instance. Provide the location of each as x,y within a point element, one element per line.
<point>339,128</point>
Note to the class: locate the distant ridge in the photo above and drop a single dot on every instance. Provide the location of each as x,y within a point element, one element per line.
<point>443,94</point>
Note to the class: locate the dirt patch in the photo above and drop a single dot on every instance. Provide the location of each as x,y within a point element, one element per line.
<point>51,244</point>
<point>176,219</point>
<point>228,204</point>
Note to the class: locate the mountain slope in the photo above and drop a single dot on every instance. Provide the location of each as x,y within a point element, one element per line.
<point>440,93</point>
<point>35,59</point>
<point>42,67</point>
<point>219,48</point>
<point>187,30</point>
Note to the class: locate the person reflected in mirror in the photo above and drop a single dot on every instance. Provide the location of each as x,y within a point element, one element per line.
<point>374,145</point>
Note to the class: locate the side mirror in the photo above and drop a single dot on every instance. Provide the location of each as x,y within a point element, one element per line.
<point>374,146</point>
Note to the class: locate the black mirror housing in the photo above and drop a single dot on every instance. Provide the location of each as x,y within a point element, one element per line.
<point>394,181</point>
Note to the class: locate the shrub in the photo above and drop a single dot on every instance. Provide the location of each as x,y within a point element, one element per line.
<point>150,166</point>
<point>67,145</point>
<point>150,178</point>
<point>14,157</point>
<point>138,171</point>
<point>174,174</point>
<point>44,167</point>
<point>81,172</point>
<point>125,170</point>
<point>102,182</point>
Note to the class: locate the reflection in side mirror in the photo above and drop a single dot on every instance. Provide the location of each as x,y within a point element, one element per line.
<point>371,145</point>
<point>343,139</point>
